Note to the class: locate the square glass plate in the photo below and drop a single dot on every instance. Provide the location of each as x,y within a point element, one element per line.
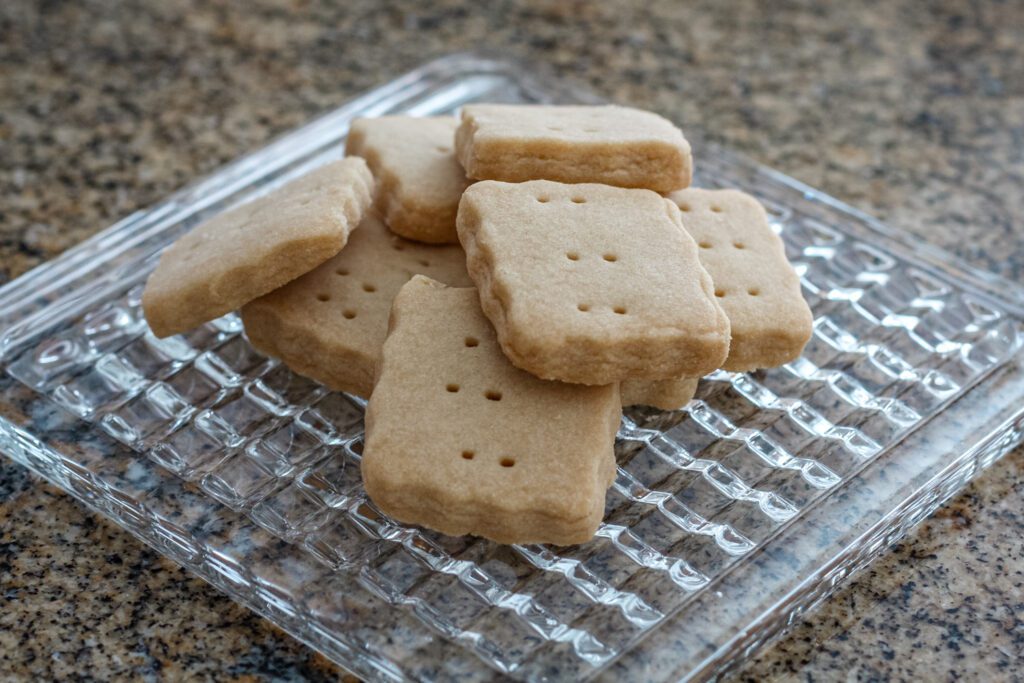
<point>726,520</point>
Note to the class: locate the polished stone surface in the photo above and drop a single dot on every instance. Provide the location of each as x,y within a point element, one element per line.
<point>912,111</point>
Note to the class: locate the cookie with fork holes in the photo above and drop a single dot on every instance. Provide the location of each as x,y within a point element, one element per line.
<point>330,324</point>
<point>589,283</point>
<point>754,282</point>
<point>461,441</point>
<point>613,145</point>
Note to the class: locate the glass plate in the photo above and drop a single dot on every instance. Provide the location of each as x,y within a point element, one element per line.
<point>726,520</point>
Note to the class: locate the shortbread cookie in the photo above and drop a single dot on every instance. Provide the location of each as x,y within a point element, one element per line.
<point>459,440</point>
<point>666,394</point>
<point>255,248</point>
<point>330,324</point>
<point>419,181</point>
<point>754,282</point>
<point>589,283</point>
<point>573,144</point>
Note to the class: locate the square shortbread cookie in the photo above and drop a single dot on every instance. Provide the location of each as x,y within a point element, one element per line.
<point>591,284</point>
<point>459,440</point>
<point>754,282</point>
<point>255,248</point>
<point>419,182</point>
<point>613,145</point>
<point>665,394</point>
<point>330,324</point>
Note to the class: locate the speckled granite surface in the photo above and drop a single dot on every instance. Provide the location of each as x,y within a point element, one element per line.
<point>912,111</point>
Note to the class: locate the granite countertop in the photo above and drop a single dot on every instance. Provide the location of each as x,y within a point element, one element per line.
<point>913,111</point>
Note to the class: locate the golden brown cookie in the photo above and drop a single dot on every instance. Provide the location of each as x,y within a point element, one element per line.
<point>459,440</point>
<point>754,282</point>
<point>330,324</point>
<point>255,248</point>
<point>589,283</point>
<point>613,145</point>
<point>419,182</point>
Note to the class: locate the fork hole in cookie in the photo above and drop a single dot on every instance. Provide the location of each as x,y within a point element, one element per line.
<point>508,462</point>
<point>349,314</point>
<point>739,245</point>
<point>472,342</point>
<point>683,206</point>
<point>443,150</point>
<point>424,262</point>
<point>704,244</point>
<point>543,199</point>
<point>367,287</point>
<point>341,271</point>
<point>557,129</point>
<point>452,388</point>
<point>716,209</point>
<point>323,297</point>
<point>398,247</point>
<point>610,258</point>
<point>492,395</point>
<point>468,455</point>
<point>719,293</point>
<point>579,200</point>
<point>754,291</point>
<point>621,310</point>
<point>583,307</point>
<point>572,256</point>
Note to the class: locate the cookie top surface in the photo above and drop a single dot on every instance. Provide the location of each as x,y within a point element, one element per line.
<point>579,124</point>
<point>255,248</point>
<point>335,317</point>
<point>591,270</point>
<point>754,282</point>
<point>452,426</point>
<point>419,179</point>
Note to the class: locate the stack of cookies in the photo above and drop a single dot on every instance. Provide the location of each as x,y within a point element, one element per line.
<point>498,286</point>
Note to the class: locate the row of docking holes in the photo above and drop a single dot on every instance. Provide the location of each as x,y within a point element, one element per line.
<point>368,287</point>
<point>752,291</point>
<point>683,206</point>
<point>544,199</point>
<point>505,461</point>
